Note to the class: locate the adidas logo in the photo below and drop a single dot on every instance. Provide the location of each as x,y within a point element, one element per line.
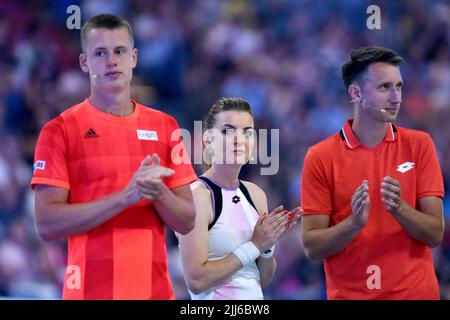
<point>90,134</point>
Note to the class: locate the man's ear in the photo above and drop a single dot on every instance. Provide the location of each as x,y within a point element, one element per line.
<point>355,93</point>
<point>83,62</point>
<point>134,57</point>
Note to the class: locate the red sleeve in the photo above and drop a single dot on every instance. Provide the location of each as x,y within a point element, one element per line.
<point>315,193</point>
<point>429,174</point>
<point>50,166</point>
<point>179,159</point>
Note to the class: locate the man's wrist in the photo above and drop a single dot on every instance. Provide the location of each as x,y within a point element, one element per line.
<point>353,226</point>
<point>162,195</point>
<point>402,207</point>
<point>126,198</point>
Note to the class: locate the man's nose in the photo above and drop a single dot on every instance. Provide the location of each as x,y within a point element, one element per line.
<point>396,95</point>
<point>112,59</point>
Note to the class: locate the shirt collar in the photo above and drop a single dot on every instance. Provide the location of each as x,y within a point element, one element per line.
<point>352,141</point>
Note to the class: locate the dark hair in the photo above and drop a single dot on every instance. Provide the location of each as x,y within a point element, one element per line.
<point>221,105</point>
<point>105,21</point>
<point>362,58</point>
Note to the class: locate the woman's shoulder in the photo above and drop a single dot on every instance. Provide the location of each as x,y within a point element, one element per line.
<point>255,191</point>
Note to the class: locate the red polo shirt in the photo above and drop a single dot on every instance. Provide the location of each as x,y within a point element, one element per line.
<point>333,170</point>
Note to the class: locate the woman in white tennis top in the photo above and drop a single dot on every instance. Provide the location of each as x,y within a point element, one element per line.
<point>229,253</point>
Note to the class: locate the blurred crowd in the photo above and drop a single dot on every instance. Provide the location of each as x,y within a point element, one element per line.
<point>283,56</point>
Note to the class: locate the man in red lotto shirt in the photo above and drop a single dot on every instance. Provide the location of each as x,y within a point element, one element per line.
<point>106,179</point>
<point>372,193</point>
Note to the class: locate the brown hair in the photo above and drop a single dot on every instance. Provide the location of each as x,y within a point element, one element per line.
<point>362,58</point>
<point>221,105</point>
<point>105,21</point>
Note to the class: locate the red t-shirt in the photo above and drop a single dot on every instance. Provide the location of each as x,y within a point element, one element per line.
<point>93,154</point>
<point>333,170</point>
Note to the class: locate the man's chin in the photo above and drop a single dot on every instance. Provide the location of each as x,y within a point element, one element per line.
<point>113,88</point>
<point>389,118</point>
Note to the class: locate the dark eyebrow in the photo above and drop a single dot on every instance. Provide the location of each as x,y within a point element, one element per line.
<point>229,126</point>
<point>103,48</point>
<point>233,127</point>
<point>390,84</point>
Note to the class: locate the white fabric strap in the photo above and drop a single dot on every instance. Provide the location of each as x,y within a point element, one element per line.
<point>247,252</point>
<point>269,253</point>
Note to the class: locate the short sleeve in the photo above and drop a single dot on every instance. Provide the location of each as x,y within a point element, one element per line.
<point>179,159</point>
<point>315,192</point>
<point>429,174</point>
<point>50,165</point>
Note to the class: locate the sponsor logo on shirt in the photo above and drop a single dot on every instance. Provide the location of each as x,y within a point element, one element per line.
<point>91,134</point>
<point>147,135</point>
<point>405,167</point>
<point>39,165</point>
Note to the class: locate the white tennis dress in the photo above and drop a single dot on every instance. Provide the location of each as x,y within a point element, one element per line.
<point>234,219</point>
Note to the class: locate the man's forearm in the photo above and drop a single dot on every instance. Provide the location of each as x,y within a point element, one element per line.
<point>176,212</point>
<point>322,243</point>
<point>62,220</point>
<point>423,227</point>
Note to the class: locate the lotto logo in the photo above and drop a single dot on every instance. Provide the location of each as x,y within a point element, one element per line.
<point>39,165</point>
<point>405,167</point>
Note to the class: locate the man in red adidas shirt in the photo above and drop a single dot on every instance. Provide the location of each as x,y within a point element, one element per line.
<point>372,193</point>
<point>108,176</point>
